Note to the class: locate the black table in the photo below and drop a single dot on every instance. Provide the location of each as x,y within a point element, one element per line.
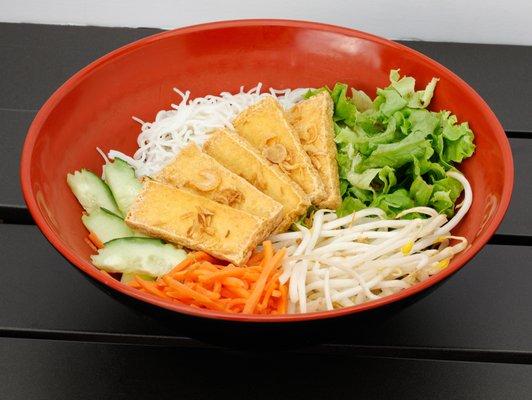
<point>471,338</point>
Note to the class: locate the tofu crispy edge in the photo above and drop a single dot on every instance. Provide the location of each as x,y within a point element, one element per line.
<point>329,176</point>
<point>288,218</point>
<point>237,258</point>
<point>318,192</point>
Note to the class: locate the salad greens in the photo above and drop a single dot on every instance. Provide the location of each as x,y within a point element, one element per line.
<point>393,153</point>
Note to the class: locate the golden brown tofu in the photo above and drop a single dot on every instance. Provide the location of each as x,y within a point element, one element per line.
<point>192,221</point>
<point>312,121</point>
<point>197,172</point>
<point>239,156</point>
<point>265,126</point>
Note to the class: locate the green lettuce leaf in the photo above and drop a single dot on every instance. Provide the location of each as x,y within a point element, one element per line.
<point>349,205</point>
<point>397,154</point>
<point>405,87</point>
<point>457,139</point>
<point>387,178</point>
<point>421,191</point>
<point>344,109</point>
<point>389,101</point>
<point>361,100</point>
<point>364,179</point>
<point>449,185</point>
<point>393,152</point>
<point>441,202</point>
<point>395,202</point>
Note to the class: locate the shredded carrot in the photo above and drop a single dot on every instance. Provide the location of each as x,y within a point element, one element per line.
<point>211,295</point>
<point>232,281</point>
<point>283,299</point>
<point>150,287</point>
<point>226,272</point>
<point>238,291</point>
<point>95,240</point>
<point>270,286</point>
<point>91,245</point>
<point>201,281</point>
<point>186,291</point>
<point>269,264</point>
<point>134,284</point>
<point>256,258</point>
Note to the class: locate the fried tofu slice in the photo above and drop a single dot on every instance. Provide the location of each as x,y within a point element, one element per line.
<point>312,121</point>
<point>265,126</point>
<point>236,154</point>
<point>187,219</point>
<point>199,173</point>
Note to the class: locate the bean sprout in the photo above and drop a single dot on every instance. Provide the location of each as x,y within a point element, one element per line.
<point>346,261</point>
<point>193,120</point>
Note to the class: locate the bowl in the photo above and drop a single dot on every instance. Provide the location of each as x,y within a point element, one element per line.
<point>94,109</point>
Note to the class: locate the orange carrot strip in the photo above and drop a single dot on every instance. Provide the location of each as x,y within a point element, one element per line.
<point>235,301</point>
<point>192,258</point>
<point>151,288</point>
<point>91,245</point>
<point>189,274</point>
<point>225,293</point>
<point>268,253</point>
<point>232,281</point>
<point>270,286</point>
<point>227,271</point>
<point>134,284</point>
<point>177,296</point>
<point>276,293</point>
<point>217,287</point>
<point>207,266</point>
<point>269,264</point>
<point>182,265</point>
<point>256,258</point>
<point>94,239</point>
<point>199,298</point>
<point>283,300</point>
<point>251,276</point>
<point>200,272</point>
<point>238,291</point>
<point>206,292</point>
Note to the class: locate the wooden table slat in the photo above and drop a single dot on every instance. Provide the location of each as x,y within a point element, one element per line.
<point>62,370</point>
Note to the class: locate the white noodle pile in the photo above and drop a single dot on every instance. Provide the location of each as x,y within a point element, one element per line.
<point>193,120</point>
<point>347,261</point>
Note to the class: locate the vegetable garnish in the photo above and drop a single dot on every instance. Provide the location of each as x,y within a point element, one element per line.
<point>95,240</point>
<point>345,261</point>
<point>202,281</point>
<point>393,153</point>
<point>389,163</point>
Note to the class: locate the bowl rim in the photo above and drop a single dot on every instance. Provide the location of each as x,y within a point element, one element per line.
<point>85,266</point>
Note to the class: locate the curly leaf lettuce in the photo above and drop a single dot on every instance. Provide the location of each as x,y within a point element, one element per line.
<point>393,152</point>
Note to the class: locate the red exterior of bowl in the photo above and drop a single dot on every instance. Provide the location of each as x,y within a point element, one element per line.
<point>94,108</point>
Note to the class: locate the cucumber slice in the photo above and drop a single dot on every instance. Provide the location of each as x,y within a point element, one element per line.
<point>129,277</point>
<point>91,192</point>
<point>106,225</point>
<point>123,183</point>
<point>140,256</point>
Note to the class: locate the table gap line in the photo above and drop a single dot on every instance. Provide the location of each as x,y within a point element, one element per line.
<point>345,350</point>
